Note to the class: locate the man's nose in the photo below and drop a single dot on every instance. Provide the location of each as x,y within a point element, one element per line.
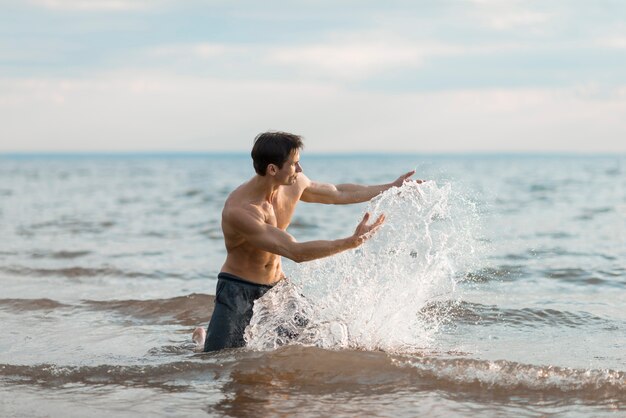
<point>298,168</point>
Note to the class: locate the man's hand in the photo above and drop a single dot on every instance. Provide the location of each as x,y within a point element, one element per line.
<point>405,177</point>
<point>364,231</point>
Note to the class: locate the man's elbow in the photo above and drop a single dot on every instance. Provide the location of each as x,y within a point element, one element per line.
<point>348,198</point>
<point>297,257</point>
<point>294,254</point>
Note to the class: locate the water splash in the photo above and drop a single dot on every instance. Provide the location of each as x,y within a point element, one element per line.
<point>373,298</point>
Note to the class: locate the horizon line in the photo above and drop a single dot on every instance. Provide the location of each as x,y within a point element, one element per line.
<point>202,153</point>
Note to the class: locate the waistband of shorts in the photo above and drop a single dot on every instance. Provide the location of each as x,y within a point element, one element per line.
<point>237,279</point>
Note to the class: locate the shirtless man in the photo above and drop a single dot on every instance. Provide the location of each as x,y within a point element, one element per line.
<point>254,222</point>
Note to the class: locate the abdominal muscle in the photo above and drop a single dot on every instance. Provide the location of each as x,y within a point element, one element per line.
<point>253,265</point>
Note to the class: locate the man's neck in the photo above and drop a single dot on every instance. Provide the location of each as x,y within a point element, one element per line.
<point>264,187</point>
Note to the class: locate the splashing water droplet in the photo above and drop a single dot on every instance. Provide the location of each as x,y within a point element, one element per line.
<point>373,298</point>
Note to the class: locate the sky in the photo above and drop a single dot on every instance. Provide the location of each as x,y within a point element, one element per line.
<point>349,76</point>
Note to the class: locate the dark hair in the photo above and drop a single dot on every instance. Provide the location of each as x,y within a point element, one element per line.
<point>273,148</point>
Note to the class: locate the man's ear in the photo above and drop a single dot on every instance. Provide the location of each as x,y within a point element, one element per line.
<point>272,169</point>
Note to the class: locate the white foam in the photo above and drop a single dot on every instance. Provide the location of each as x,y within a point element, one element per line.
<point>373,297</point>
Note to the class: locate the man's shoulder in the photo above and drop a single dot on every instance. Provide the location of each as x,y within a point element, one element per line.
<point>240,209</point>
<point>239,219</point>
<point>302,182</point>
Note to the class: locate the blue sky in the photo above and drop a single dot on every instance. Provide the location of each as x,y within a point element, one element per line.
<point>397,76</point>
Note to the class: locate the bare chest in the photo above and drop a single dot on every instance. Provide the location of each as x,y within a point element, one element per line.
<point>280,211</point>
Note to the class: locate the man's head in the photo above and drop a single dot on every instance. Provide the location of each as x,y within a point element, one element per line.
<point>274,148</point>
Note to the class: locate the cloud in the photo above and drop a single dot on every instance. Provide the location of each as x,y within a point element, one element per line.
<point>360,56</point>
<point>344,60</point>
<point>201,50</point>
<point>96,5</point>
<point>614,42</point>
<point>497,73</point>
<point>348,60</point>
<point>509,20</point>
<point>506,15</point>
<point>141,111</point>
<point>351,57</point>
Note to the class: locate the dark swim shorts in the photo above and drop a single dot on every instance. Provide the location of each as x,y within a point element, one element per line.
<point>234,299</point>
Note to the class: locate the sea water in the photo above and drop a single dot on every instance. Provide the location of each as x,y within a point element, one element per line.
<point>495,288</point>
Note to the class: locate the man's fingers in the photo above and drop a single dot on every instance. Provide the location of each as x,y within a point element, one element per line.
<point>364,231</point>
<point>375,227</point>
<point>377,224</point>
<point>379,220</point>
<point>363,222</point>
<point>403,178</point>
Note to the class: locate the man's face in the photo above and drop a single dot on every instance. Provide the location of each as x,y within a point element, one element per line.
<point>288,174</point>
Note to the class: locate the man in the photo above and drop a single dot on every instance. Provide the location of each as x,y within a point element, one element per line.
<point>254,222</point>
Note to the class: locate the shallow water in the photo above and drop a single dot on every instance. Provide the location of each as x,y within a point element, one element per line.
<point>498,292</point>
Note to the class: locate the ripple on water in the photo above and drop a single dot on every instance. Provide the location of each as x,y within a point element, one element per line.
<point>504,272</point>
<point>467,313</point>
<point>24,305</point>
<point>190,310</point>
<point>59,254</point>
<point>581,276</point>
<point>308,370</point>
<point>591,213</point>
<point>75,272</point>
<point>67,225</point>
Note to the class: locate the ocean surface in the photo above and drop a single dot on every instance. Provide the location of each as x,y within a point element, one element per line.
<point>496,288</point>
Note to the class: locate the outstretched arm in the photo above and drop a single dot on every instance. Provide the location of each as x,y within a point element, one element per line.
<point>274,240</point>
<point>342,194</point>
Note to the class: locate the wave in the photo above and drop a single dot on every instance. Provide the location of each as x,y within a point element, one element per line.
<point>191,310</point>
<point>75,226</point>
<point>195,310</point>
<point>507,378</point>
<point>60,254</point>
<point>309,369</point>
<point>23,305</point>
<point>499,273</point>
<point>573,275</point>
<point>615,272</point>
<point>191,193</point>
<point>584,277</point>
<point>555,235</point>
<point>591,213</point>
<point>214,233</point>
<point>534,253</point>
<point>74,272</point>
<point>467,313</point>
<point>301,224</point>
<point>142,375</point>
